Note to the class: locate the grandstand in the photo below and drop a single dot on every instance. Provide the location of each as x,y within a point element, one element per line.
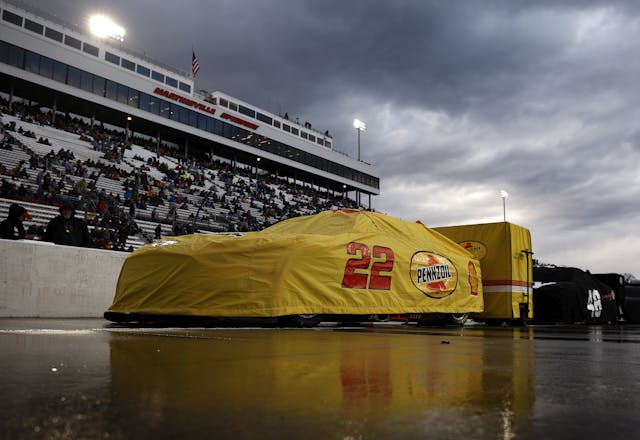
<point>195,161</point>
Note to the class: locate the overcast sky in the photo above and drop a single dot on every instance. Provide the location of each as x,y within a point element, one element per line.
<point>461,99</point>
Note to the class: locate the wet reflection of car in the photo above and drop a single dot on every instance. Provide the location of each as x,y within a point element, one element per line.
<point>325,384</point>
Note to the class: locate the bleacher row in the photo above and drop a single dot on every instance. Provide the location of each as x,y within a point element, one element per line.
<point>203,217</point>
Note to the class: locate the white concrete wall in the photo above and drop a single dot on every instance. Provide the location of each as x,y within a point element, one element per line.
<point>44,280</point>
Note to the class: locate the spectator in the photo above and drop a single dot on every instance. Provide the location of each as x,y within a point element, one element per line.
<point>68,230</point>
<point>158,231</point>
<point>12,228</point>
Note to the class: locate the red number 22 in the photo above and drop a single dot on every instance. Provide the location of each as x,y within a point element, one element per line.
<point>356,280</point>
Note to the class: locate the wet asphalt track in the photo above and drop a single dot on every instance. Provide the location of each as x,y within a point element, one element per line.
<point>82,379</point>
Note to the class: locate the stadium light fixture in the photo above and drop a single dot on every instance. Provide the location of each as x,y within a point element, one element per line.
<point>257,163</point>
<point>103,27</point>
<point>504,196</point>
<point>360,126</point>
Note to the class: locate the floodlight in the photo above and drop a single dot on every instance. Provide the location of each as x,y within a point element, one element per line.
<point>357,123</point>
<point>504,194</point>
<point>103,27</point>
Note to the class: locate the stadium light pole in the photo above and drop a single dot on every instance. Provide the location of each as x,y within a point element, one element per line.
<point>360,126</point>
<point>257,163</point>
<point>504,196</point>
<point>126,132</point>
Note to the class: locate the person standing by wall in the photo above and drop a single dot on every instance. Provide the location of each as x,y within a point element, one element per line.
<point>67,229</point>
<point>12,228</point>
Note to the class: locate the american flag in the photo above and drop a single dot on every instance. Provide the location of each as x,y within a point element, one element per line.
<point>195,65</point>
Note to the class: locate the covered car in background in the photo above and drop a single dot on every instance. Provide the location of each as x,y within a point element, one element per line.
<point>332,263</point>
<point>569,295</point>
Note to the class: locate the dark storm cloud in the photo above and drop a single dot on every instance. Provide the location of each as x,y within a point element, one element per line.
<point>461,99</point>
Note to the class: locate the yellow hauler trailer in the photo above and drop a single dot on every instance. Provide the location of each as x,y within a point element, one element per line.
<point>504,251</point>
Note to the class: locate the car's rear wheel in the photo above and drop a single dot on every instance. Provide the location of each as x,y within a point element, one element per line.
<point>457,319</point>
<point>310,320</point>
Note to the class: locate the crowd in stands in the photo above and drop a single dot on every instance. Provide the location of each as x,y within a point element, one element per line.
<point>177,182</point>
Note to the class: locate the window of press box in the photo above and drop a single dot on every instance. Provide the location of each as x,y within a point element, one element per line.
<point>157,76</point>
<point>129,65</point>
<point>72,42</point>
<point>59,71</point>
<point>4,52</point>
<point>165,108</point>
<point>12,18</point>
<point>46,67</point>
<point>224,102</point>
<point>98,85</point>
<point>276,124</point>
<point>294,131</point>
<point>111,90</point>
<point>74,76</point>
<point>171,81</point>
<point>185,87</point>
<point>31,62</point>
<point>233,106</point>
<point>123,94</point>
<point>90,49</point>
<point>16,56</point>
<point>247,111</point>
<point>144,71</point>
<point>154,105</point>
<point>53,34</point>
<point>264,118</point>
<point>133,97</point>
<point>86,81</point>
<point>33,26</point>
<point>115,59</point>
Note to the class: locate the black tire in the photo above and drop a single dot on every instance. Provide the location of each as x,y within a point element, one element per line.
<point>457,319</point>
<point>118,317</point>
<point>302,321</point>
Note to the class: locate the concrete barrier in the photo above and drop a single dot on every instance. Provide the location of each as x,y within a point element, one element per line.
<point>44,280</point>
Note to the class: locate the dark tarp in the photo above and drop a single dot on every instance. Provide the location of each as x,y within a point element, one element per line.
<point>570,295</point>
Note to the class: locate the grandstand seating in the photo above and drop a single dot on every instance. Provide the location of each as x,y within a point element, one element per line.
<point>248,203</point>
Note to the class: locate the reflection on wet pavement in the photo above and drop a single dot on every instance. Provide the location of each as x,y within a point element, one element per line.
<point>86,381</point>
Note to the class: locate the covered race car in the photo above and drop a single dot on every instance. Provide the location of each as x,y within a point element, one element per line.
<point>333,263</point>
<point>569,295</point>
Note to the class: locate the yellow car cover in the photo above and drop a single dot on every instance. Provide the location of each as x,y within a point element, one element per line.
<point>335,262</point>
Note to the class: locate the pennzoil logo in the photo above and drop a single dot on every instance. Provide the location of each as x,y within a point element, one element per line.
<point>433,274</point>
<point>477,249</point>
